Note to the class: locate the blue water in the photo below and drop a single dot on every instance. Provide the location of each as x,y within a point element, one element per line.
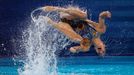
<point>91,65</point>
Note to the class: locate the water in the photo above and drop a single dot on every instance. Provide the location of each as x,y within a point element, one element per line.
<point>91,65</point>
<point>98,66</point>
<point>40,42</point>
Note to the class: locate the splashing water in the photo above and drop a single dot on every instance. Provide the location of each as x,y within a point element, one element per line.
<point>41,42</point>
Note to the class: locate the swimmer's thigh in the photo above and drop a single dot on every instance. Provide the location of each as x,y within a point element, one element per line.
<point>68,31</point>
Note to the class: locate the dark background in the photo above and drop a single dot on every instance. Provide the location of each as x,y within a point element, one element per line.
<point>15,15</point>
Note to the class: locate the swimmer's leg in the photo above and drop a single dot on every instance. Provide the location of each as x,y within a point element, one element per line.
<point>69,32</point>
<point>100,26</point>
<point>102,16</point>
<point>66,29</point>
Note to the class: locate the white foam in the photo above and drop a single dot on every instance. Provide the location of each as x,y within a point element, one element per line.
<point>41,42</point>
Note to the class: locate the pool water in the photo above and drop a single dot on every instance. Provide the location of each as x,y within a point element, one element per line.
<point>91,65</point>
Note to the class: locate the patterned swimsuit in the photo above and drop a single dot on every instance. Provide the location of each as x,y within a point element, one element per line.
<point>87,32</point>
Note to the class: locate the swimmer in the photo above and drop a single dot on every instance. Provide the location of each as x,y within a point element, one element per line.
<point>100,29</point>
<point>75,19</point>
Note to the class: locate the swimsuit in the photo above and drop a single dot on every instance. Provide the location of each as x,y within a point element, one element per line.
<point>86,32</point>
<point>74,23</point>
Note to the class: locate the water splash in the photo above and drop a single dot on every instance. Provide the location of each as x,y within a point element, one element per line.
<point>41,41</point>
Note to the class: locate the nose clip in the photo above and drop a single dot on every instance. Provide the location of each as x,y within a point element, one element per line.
<point>99,48</point>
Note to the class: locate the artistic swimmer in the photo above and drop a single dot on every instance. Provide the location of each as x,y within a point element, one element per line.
<point>73,20</point>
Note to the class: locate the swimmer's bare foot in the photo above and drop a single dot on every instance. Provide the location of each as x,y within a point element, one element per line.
<point>105,14</point>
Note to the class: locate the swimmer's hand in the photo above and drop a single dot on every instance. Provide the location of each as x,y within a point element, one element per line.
<point>105,14</point>
<point>75,49</point>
